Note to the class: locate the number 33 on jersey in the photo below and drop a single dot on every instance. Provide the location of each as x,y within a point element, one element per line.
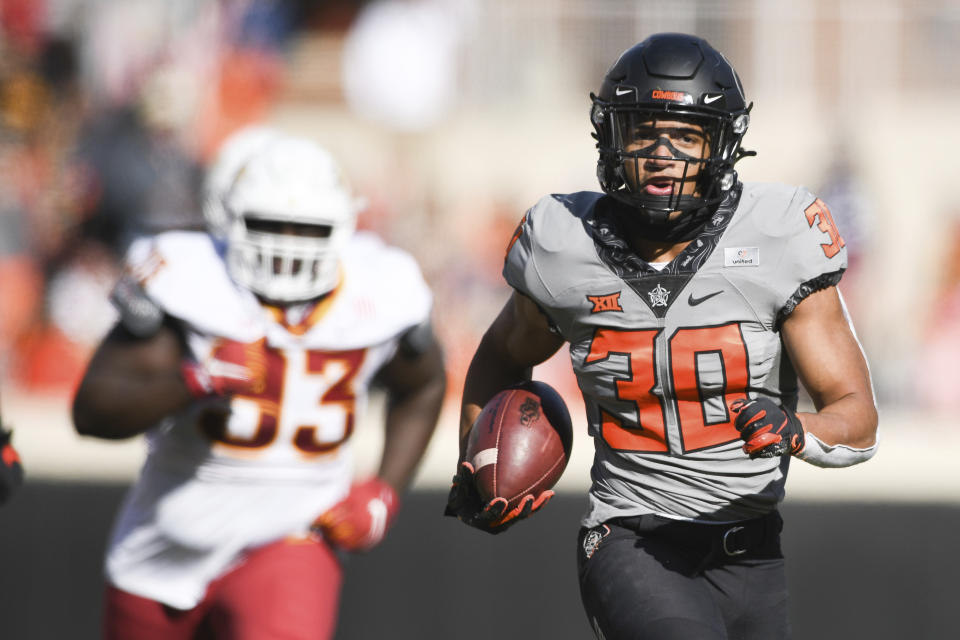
<point>307,402</point>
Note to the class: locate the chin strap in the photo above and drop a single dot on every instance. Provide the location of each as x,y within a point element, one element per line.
<point>654,224</point>
<point>651,222</point>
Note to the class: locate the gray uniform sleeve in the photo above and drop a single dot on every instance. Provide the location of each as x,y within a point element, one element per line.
<point>522,270</point>
<point>815,255</point>
<point>520,266</point>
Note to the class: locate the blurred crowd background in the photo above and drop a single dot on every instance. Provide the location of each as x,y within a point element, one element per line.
<point>452,117</point>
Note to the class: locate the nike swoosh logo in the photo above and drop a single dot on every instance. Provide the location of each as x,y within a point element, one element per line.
<point>623,92</point>
<point>709,99</point>
<point>695,301</point>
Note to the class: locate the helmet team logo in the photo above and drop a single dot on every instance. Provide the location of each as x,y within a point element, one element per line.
<point>659,297</point>
<point>672,96</point>
<point>608,302</point>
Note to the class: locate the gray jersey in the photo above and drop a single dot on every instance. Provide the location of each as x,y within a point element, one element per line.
<point>661,355</point>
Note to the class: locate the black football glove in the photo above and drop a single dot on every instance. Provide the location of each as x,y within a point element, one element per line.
<point>767,429</point>
<point>11,471</point>
<point>465,503</point>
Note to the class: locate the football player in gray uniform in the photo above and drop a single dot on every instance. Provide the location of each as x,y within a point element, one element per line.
<point>693,305</point>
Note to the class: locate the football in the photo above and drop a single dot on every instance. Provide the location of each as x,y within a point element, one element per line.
<point>520,443</point>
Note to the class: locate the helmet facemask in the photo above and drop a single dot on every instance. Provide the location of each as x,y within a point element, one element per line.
<point>631,135</point>
<point>285,262</point>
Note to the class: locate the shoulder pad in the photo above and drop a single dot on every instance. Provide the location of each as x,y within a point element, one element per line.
<point>551,231</point>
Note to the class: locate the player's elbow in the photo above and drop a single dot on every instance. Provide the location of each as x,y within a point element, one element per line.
<point>91,420</point>
<point>85,420</point>
<point>851,421</point>
<point>858,444</point>
<point>866,435</point>
<point>865,441</point>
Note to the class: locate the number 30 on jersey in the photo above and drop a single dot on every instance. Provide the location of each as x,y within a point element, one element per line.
<point>701,401</point>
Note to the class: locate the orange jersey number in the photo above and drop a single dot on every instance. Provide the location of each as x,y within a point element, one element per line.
<point>818,211</point>
<point>701,404</point>
<point>516,236</point>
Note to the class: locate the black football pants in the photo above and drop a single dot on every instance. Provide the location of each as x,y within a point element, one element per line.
<point>647,578</point>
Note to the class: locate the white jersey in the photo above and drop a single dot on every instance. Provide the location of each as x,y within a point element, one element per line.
<point>217,482</point>
<point>660,355</point>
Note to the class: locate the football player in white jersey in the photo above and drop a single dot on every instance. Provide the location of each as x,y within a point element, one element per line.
<point>246,355</point>
<point>693,305</point>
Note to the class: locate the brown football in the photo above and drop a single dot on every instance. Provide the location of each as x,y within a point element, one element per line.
<point>520,443</point>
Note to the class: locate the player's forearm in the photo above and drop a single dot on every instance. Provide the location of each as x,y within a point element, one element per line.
<point>517,340</point>
<point>124,404</point>
<point>411,419</point>
<point>850,421</point>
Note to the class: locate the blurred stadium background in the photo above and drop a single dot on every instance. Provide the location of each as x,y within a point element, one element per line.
<point>452,117</point>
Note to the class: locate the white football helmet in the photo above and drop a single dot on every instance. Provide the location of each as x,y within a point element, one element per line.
<point>284,212</point>
<point>231,156</point>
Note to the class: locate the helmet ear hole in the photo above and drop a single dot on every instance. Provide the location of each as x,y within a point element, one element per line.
<point>597,115</point>
<point>726,181</point>
<point>609,176</point>
<point>740,124</point>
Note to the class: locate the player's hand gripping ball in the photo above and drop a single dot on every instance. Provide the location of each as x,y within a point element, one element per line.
<point>517,450</point>
<point>767,429</point>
